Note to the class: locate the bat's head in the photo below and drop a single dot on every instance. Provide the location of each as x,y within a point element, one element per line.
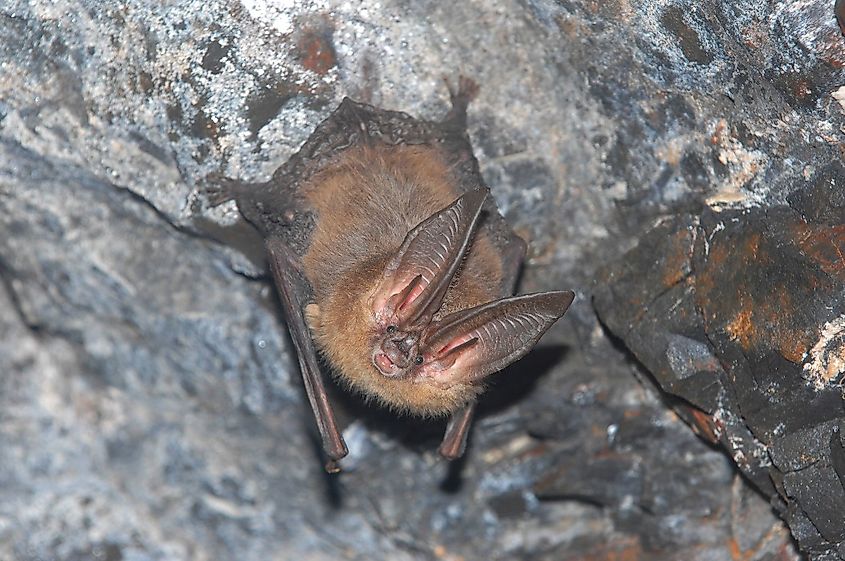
<point>437,354</point>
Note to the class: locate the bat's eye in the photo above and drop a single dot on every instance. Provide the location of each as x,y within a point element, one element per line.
<point>418,360</point>
<point>391,329</point>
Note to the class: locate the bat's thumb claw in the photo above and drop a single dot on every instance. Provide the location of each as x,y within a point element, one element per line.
<point>217,189</point>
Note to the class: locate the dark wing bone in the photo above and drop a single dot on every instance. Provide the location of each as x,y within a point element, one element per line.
<point>290,284</point>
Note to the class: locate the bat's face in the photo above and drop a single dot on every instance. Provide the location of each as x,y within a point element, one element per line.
<point>420,355</point>
<point>402,350</point>
<point>397,353</point>
<point>463,347</point>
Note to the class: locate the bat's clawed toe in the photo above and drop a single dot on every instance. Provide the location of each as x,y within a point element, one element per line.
<point>464,92</point>
<point>460,97</point>
<point>218,189</point>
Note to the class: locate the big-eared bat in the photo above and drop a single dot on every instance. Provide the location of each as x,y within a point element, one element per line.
<point>392,260</point>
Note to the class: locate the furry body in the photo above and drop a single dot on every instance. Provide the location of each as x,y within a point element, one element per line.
<point>374,196</point>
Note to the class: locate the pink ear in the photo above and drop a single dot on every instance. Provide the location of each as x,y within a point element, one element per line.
<point>471,344</point>
<point>417,278</point>
<point>399,301</point>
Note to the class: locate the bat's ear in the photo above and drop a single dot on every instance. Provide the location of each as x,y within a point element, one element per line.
<point>417,278</point>
<point>470,344</point>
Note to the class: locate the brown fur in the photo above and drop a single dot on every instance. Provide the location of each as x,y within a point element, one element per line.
<point>366,203</point>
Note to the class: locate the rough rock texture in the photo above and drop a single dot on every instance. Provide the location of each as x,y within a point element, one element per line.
<point>739,310</point>
<point>149,404</point>
<point>743,319</point>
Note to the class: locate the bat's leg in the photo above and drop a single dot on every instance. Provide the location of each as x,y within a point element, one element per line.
<point>455,440</point>
<point>291,285</point>
<point>512,260</point>
<point>466,91</point>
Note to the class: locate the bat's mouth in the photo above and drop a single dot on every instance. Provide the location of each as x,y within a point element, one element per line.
<point>384,364</point>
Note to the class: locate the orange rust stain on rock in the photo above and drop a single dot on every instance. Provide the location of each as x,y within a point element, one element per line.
<point>752,245</point>
<point>621,550</point>
<point>632,414</point>
<point>791,349</point>
<point>316,52</point>
<point>704,424</point>
<point>759,323</point>
<point>537,451</point>
<point>704,280</point>
<point>741,327</point>
<point>734,550</point>
<point>829,48</point>
<point>823,244</point>
<point>802,89</point>
<point>792,344</point>
<point>760,313</point>
<point>718,254</point>
<point>716,137</point>
<point>755,35</point>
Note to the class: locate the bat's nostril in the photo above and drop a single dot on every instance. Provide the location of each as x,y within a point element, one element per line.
<point>405,344</point>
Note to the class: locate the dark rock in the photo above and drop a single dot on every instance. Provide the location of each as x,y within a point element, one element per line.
<point>824,201</point>
<point>755,311</point>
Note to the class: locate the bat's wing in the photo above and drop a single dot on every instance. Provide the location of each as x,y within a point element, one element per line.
<point>292,287</point>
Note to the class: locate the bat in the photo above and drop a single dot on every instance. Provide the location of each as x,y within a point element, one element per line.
<point>393,262</point>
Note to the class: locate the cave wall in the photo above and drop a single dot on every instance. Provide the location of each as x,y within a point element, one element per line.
<point>150,406</point>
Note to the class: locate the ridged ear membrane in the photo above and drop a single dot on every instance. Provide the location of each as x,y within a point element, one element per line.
<point>471,344</point>
<point>417,278</point>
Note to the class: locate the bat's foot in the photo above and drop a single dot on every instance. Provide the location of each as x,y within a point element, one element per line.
<point>218,189</point>
<point>455,440</point>
<point>461,95</point>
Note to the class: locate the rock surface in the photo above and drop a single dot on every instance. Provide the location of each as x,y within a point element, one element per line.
<point>743,320</point>
<point>149,404</point>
